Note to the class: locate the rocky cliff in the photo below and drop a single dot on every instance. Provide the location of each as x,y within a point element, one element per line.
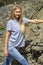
<point>34,32</point>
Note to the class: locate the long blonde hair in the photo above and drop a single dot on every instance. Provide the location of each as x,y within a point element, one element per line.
<point>22,26</point>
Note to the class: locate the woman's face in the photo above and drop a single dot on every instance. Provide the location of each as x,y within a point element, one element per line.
<point>17,13</point>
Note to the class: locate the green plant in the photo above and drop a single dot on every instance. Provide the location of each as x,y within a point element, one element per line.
<point>2,28</point>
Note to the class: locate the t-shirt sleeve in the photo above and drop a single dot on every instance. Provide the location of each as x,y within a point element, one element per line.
<point>9,26</point>
<point>25,20</point>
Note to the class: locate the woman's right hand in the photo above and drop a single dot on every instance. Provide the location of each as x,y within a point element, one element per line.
<point>6,43</point>
<point>5,52</point>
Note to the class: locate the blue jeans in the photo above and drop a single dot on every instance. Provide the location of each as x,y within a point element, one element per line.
<point>14,53</point>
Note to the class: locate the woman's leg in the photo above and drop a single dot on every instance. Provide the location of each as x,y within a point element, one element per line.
<point>15,53</point>
<point>7,60</point>
<point>22,52</point>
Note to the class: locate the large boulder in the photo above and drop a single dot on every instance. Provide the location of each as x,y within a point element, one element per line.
<point>34,32</point>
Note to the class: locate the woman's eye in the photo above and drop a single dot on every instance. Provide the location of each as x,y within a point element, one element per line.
<point>18,12</point>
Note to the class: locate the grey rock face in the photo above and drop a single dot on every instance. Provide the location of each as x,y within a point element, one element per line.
<point>34,32</point>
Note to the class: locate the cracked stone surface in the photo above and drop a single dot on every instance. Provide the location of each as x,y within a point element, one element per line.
<point>34,32</point>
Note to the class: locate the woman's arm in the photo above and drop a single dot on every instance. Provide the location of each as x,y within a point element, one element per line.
<point>6,43</point>
<point>35,21</point>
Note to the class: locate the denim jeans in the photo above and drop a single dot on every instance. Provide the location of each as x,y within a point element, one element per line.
<point>14,53</point>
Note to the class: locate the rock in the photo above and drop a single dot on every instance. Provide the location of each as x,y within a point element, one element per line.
<point>4,14</point>
<point>40,59</point>
<point>34,32</point>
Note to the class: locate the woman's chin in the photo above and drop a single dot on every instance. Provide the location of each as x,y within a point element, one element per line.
<point>17,17</point>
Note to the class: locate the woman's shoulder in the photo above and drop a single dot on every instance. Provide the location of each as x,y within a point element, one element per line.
<point>10,21</point>
<point>25,20</point>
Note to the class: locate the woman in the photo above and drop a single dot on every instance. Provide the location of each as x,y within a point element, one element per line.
<point>15,36</point>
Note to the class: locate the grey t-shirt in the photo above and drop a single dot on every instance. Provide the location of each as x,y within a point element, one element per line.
<point>16,38</point>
